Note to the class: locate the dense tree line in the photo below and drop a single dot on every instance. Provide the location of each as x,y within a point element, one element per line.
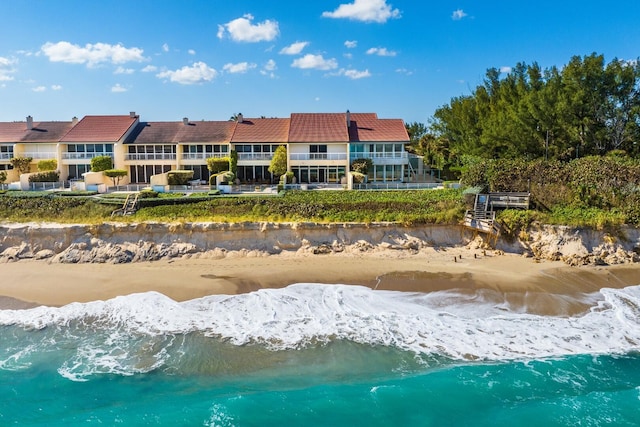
<point>588,107</point>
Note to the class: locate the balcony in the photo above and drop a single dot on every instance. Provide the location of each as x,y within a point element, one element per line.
<point>254,156</point>
<point>83,156</point>
<point>40,155</point>
<point>397,158</point>
<point>150,156</point>
<point>318,156</point>
<point>203,156</point>
<point>6,156</point>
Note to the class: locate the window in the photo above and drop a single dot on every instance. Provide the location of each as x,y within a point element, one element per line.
<point>317,148</point>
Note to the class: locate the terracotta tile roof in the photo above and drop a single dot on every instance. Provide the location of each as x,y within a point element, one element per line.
<point>41,131</point>
<point>12,131</point>
<point>100,129</point>
<point>219,132</point>
<point>262,130</point>
<point>367,127</point>
<point>318,127</point>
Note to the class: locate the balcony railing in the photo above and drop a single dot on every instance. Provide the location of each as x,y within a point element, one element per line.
<point>40,155</point>
<point>255,156</point>
<point>83,156</point>
<point>390,156</point>
<point>203,156</point>
<point>318,156</point>
<point>151,156</point>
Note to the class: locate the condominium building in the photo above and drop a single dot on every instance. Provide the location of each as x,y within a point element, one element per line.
<point>320,146</point>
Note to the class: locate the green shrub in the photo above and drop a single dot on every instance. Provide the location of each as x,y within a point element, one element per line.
<point>49,176</point>
<point>115,174</point>
<point>148,194</point>
<point>47,165</point>
<point>101,163</point>
<point>179,177</point>
<point>218,164</point>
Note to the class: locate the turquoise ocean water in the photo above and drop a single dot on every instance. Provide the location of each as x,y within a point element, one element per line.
<point>325,355</point>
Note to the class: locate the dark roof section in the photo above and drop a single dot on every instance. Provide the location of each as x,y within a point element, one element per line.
<point>261,131</point>
<point>41,131</point>
<point>100,129</point>
<point>210,132</point>
<point>367,127</point>
<point>318,127</point>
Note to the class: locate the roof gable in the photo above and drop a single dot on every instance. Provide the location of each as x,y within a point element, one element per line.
<point>367,127</point>
<point>206,132</point>
<point>40,132</point>
<point>318,127</point>
<point>100,129</point>
<point>262,130</point>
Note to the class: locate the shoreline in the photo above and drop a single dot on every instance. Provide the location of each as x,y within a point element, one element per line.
<point>28,283</point>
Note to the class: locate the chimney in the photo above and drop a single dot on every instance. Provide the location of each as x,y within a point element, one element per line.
<point>240,118</point>
<point>74,121</point>
<point>348,119</point>
<point>29,122</point>
<point>185,121</point>
<point>132,114</point>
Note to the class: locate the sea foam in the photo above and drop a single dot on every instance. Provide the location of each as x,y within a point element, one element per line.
<point>135,330</point>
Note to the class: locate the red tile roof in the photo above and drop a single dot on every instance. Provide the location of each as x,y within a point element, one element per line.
<point>100,129</point>
<point>366,127</point>
<point>318,127</point>
<point>41,131</point>
<point>262,130</point>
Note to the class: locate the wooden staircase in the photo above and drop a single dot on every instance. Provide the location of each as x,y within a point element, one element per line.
<point>482,217</point>
<point>129,207</point>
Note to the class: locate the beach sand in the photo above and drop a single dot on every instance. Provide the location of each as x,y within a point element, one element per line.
<point>517,280</point>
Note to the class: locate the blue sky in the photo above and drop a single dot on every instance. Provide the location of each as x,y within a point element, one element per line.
<point>209,59</point>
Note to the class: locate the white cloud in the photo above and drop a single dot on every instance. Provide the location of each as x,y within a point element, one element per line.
<point>191,52</point>
<point>122,70</point>
<point>117,88</point>
<point>91,54</point>
<point>315,62</point>
<point>505,69</point>
<point>294,48</point>
<point>197,73</point>
<point>242,30</point>
<point>381,51</point>
<point>269,68</point>
<point>241,67</point>
<point>364,10</point>
<point>404,71</point>
<point>56,87</point>
<point>39,89</point>
<point>355,74</point>
<point>270,65</point>
<point>149,69</point>
<point>458,15</point>
<point>350,44</point>
<point>165,47</point>
<point>6,68</point>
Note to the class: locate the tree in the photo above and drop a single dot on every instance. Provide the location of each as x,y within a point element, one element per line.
<point>115,174</point>
<point>361,166</point>
<point>3,177</point>
<point>22,164</point>
<point>47,165</point>
<point>278,165</point>
<point>218,164</point>
<point>101,163</point>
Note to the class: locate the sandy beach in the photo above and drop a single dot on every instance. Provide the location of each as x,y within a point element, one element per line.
<point>520,280</point>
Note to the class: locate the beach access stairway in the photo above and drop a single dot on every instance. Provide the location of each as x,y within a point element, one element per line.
<point>482,217</point>
<point>129,207</point>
